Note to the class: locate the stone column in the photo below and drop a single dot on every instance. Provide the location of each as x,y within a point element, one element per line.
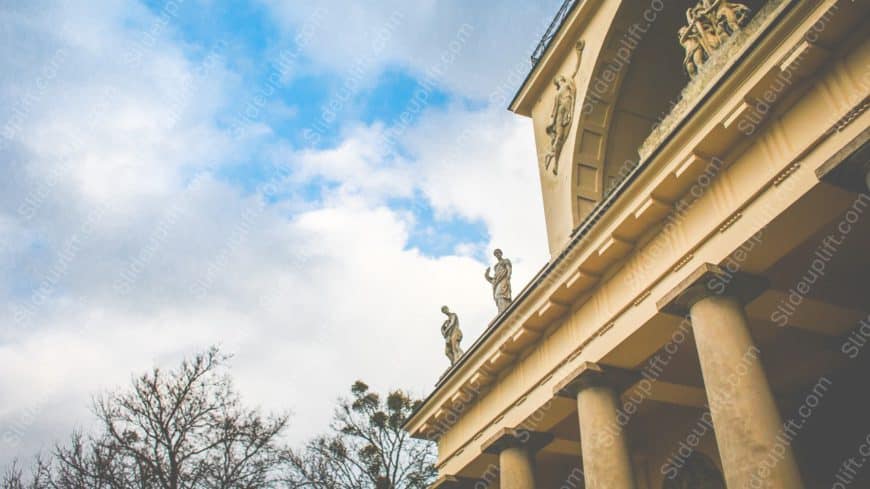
<point>749,430</point>
<point>516,449</point>
<point>603,442</point>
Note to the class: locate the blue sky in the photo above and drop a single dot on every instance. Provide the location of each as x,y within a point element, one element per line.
<point>302,184</point>
<point>246,38</point>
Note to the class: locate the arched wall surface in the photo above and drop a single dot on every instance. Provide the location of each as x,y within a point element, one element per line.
<point>621,104</point>
<point>558,190</point>
<point>630,75</point>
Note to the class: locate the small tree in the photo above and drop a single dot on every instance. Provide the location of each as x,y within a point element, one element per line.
<point>366,447</point>
<point>14,477</point>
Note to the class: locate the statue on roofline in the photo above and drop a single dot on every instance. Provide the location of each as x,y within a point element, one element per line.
<point>500,280</point>
<point>452,335</point>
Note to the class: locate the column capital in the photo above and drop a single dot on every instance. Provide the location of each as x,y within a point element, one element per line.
<point>453,482</point>
<point>517,438</point>
<point>591,374</point>
<point>711,280</point>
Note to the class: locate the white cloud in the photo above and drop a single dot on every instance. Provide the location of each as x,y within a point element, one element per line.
<point>481,165</point>
<point>416,35</point>
<point>309,295</point>
<point>361,164</point>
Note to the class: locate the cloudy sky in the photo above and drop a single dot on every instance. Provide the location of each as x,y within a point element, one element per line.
<point>301,183</point>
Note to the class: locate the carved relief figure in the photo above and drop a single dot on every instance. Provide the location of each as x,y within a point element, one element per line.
<point>560,120</point>
<point>452,335</point>
<point>700,28</point>
<point>729,16</point>
<point>695,54</point>
<point>501,281</point>
<point>563,112</point>
<point>709,23</point>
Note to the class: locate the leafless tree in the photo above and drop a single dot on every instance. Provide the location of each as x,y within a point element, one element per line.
<point>179,429</point>
<point>366,447</point>
<point>14,477</point>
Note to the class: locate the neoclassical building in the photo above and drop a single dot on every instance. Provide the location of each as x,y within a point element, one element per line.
<point>703,317</point>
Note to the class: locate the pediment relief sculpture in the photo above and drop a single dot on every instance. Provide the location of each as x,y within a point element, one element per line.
<point>562,115</point>
<point>709,24</point>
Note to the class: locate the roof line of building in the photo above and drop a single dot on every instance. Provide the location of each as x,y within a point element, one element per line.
<point>547,39</point>
<point>581,231</point>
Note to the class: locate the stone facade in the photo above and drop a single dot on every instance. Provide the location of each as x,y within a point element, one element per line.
<point>702,320</point>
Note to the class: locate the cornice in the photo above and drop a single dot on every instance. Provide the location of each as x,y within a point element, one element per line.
<point>562,42</point>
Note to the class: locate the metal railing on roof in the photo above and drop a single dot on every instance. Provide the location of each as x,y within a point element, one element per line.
<point>563,12</point>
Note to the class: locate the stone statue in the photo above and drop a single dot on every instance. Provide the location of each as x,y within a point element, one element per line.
<point>452,335</point>
<point>728,17</point>
<point>709,23</point>
<point>695,53</point>
<point>560,120</point>
<point>501,281</point>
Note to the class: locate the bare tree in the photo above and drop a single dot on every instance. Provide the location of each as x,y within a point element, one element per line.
<point>181,429</point>
<point>188,429</point>
<point>366,447</point>
<point>14,477</point>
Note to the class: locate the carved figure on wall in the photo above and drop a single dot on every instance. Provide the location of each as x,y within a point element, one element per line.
<point>709,23</point>
<point>729,16</point>
<point>452,335</point>
<point>579,47</point>
<point>562,114</point>
<point>560,120</point>
<point>500,280</point>
<point>695,53</point>
<point>700,27</point>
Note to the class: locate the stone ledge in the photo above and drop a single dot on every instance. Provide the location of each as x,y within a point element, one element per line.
<point>514,438</point>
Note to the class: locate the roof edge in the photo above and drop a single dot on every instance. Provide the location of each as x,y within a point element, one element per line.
<point>545,47</point>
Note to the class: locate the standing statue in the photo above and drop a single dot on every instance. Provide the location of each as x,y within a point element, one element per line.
<point>501,281</point>
<point>560,121</point>
<point>452,335</point>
